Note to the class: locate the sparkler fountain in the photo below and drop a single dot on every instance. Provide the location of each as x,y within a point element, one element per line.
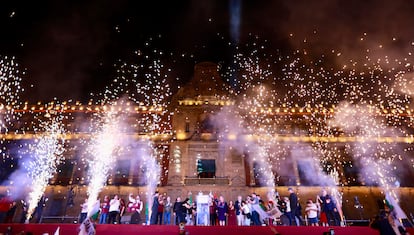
<point>145,153</point>
<point>102,153</point>
<point>113,138</point>
<point>298,88</point>
<point>45,154</point>
<point>376,159</point>
<point>306,88</point>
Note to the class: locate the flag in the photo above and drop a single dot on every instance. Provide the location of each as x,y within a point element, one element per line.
<point>93,208</point>
<point>87,228</point>
<point>393,205</point>
<point>57,231</point>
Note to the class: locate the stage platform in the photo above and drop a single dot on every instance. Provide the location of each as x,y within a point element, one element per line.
<point>125,229</point>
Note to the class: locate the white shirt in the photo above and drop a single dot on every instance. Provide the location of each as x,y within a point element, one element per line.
<point>246,209</point>
<point>114,205</point>
<point>84,208</point>
<point>288,206</point>
<point>312,210</point>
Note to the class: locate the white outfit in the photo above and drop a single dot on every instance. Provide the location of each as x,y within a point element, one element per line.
<point>240,217</point>
<point>114,205</point>
<point>312,210</point>
<point>84,208</point>
<point>246,210</point>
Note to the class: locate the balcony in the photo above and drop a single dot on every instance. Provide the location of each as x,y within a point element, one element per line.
<point>206,181</point>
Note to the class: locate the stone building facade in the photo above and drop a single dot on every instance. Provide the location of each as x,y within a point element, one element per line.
<point>196,157</point>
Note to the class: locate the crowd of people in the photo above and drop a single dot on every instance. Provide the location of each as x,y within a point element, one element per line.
<point>247,211</point>
<point>251,210</point>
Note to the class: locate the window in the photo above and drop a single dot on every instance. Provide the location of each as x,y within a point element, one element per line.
<point>64,172</point>
<point>206,168</point>
<point>121,174</point>
<point>306,172</point>
<point>187,126</point>
<point>351,173</point>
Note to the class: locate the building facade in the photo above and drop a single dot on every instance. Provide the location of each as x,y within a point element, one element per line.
<point>201,156</point>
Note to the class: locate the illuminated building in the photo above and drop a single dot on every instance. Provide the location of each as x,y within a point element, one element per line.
<point>198,156</point>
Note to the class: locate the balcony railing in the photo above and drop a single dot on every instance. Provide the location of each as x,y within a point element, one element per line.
<point>211,181</point>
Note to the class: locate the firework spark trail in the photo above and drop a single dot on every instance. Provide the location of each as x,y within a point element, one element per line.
<point>102,153</point>
<point>252,108</point>
<point>376,159</point>
<point>240,121</point>
<point>296,80</point>
<point>144,82</point>
<point>259,124</point>
<point>308,84</point>
<point>10,89</point>
<point>46,154</point>
<point>146,155</point>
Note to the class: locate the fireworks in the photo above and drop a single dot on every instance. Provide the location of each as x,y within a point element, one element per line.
<point>283,110</point>
<point>144,153</point>
<point>45,154</point>
<point>10,89</point>
<point>365,100</point>
<point>101,152</point>
<point>144,82</point>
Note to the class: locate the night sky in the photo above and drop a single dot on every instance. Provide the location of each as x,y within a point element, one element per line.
<point>69,48</point>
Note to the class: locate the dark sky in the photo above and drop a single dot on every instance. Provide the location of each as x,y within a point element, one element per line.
<point>69,47</point>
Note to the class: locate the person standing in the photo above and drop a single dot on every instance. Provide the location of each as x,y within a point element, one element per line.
<point>122,210</point>
<point>273,212</point>
<point>330,210</point>
<point>154,209</point>
<point>293,199</point>
<point>222,210</point>
<point>160,209</point>
<point>185,207</point>
<point>177,210</point>
<point>320,200</point>
<point>84,211</point>
<point>311,211</point>
<point>114,206</point>
<point>387,222</point>
<point>167,210</point>
<point>245,210</point>
<point>104,210</point>
<point>288,210</point>
<point>255,206</point>
<point>212,210</point>
<point>231,218</point>
<point>237,208</point>
<point>135,206</point>
<point>193,211</point>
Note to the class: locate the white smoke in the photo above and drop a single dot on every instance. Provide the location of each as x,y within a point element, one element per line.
<point>377,159</point>
<point>17,183</point>
<point>234,134</point>
<point>112,140</point>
